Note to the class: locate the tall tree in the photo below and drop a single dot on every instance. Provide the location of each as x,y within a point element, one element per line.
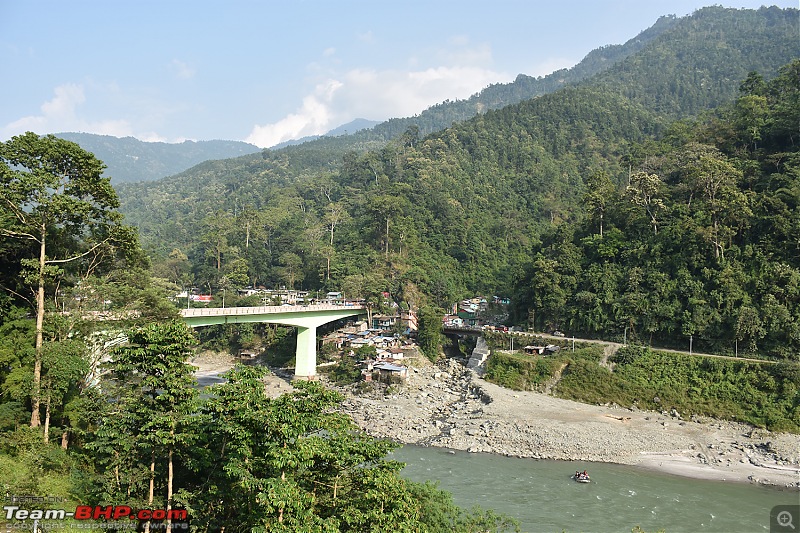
<point>645,191</point>
<point>430,335</point>
<point>715,180</point>
<point>217,227</point>
<point>157,383</point>
<point>335,214</point>
<point>55,197</point>
<point>599,193</point>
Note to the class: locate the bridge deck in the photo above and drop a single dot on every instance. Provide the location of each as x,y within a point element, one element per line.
<point>306,318</point>
<point>267,309</point>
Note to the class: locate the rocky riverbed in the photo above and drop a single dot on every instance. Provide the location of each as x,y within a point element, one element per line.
<point>450,406</point>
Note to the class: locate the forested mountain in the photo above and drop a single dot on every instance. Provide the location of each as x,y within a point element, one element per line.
<point>477,207</point>
<point>700,240</point>
<point>131,160</point>
<point>719,45</point>
<point>524,87</point>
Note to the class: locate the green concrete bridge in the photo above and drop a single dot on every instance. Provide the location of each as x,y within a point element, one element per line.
<point>305,318</point>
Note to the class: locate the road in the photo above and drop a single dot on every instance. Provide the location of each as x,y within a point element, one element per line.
<point>612,347</point>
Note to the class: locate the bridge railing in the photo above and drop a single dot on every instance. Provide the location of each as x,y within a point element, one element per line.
<point>218,311</point>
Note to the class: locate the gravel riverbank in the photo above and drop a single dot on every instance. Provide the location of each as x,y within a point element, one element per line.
<point>450,406</point>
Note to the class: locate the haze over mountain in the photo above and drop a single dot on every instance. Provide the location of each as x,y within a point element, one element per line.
<point>130,160</point>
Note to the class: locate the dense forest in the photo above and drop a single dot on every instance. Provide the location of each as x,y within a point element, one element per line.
<point>700,239</point>
<point>464,210</point>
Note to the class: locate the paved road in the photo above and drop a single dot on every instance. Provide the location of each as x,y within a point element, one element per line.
<point>616,346</point>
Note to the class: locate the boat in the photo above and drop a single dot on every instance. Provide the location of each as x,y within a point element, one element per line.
<point>581,477</point>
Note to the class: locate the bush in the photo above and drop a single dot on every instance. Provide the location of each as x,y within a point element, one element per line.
<point>760,394</point>
<point>345,372</point>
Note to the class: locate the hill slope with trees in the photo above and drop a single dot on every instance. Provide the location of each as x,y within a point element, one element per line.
<point>458,211</point>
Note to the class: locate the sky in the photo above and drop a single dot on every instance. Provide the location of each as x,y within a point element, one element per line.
<point>268,71</point>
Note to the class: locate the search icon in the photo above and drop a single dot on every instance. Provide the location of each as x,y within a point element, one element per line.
<point>785,519</point>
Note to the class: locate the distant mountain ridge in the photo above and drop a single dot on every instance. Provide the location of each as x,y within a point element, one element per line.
<point>496,96</point>
<point>524,87</point>
<point>131,160</point>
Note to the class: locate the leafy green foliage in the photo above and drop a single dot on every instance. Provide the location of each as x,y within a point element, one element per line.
<point>59,214</point>
<point>28,467</point>
<point>761,394</point>
<point>520,372</point>
<point>149,415</point>
<point>702,242</point>
<point>292,464</point>
<point>345,372</point>
<point>429,336</point>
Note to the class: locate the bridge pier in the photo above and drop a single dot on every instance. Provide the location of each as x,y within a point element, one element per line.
<point>305,366</point>
<point>305,318</point>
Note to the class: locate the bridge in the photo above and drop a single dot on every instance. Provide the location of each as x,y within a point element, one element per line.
<point>305,318</point>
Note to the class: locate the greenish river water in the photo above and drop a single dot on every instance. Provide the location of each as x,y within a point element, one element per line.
<point>541,495</point>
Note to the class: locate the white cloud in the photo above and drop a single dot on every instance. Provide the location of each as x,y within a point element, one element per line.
<point>313,118</point>
<point>376,95</point>
<point>460,70</point>
<point>385,94</point>
<point>59,115</point>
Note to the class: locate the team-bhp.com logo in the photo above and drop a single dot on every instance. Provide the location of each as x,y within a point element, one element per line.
<point>99,512</point>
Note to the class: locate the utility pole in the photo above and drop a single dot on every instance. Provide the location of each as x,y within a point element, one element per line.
<point>690,345</point>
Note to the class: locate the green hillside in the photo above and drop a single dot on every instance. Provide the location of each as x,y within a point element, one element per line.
<point>473,208</point>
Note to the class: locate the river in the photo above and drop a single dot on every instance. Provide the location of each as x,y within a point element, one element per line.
<point>543,498</point>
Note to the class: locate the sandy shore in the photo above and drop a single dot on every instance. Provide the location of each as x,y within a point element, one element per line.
<point>449,406</point>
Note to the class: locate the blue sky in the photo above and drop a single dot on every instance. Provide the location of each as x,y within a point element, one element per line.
<point>266,71</point>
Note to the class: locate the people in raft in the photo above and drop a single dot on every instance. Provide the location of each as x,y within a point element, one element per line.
<point>581,475</point>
